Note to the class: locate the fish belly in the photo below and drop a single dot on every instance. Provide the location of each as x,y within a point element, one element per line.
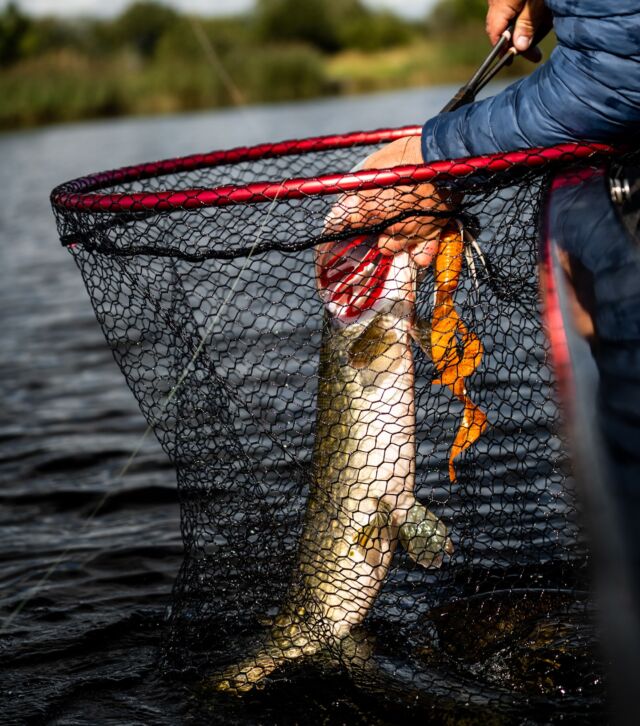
<point>364,472</point>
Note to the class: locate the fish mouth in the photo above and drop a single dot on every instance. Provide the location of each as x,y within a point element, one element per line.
<point>352,276</point>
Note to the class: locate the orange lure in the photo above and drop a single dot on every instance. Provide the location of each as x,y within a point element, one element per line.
<point>456,351</point>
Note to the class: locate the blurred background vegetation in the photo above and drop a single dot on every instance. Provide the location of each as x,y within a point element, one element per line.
<point>152,59</point>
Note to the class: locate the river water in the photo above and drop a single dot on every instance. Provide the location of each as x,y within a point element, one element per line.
<point>88,556</point>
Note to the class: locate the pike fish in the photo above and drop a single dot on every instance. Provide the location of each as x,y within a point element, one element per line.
<point>362,503</point>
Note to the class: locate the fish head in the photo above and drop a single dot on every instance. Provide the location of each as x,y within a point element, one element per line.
<point>357,282</point>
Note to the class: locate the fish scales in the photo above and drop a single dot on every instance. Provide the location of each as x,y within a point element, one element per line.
<point>361,503</point>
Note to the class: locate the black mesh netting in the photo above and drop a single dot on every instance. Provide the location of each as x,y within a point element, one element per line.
<point>372,482</point>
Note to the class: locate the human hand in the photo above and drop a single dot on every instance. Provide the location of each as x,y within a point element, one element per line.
<point>534,20</point>
<point>417,235</point>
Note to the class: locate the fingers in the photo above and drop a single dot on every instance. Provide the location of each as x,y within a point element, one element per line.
<point>500,15</point>
<point>419,235</point>
<point>424,252</point>
<point>361,210</point>
<point>531,20</point>
<point>349,211</point>
<point>524,30</point>
<point>371,207</point>
<point>420,238</point>
<point>534,21</point>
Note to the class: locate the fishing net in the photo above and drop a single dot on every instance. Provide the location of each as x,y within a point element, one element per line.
<point>376,500</point>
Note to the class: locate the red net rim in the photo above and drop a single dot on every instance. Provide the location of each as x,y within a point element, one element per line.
<point>83,195</point>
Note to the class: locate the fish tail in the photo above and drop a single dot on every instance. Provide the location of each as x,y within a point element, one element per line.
<point>248,674</point>
<point>289,641</point>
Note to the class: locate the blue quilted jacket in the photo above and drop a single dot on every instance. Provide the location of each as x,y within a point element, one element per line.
<point>588,90</point>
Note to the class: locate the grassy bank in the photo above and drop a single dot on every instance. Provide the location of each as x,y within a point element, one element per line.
<point>67,86</point>
<point>152,60</point>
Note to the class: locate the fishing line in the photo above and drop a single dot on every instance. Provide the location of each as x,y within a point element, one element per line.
<point>125,469</point>
<point>237,96</point>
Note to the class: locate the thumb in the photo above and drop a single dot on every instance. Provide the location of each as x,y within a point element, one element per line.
<point>529,21</point>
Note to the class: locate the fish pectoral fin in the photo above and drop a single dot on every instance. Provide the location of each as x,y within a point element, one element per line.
<point>424,537</point>
<point>366,535</point>
<point>375,341</point>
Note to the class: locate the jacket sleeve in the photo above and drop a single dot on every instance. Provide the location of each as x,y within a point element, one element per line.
<point>581,93</point>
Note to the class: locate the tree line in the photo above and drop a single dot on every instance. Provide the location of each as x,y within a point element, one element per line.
<point>149,27</point>
<point>152,58</point>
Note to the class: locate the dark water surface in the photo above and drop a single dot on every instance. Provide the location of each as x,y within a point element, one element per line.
<point>89,555</point>
<point>82,596</point>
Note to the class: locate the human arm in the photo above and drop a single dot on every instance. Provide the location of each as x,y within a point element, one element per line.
<point>588,90</point>
<point>420,234</point>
